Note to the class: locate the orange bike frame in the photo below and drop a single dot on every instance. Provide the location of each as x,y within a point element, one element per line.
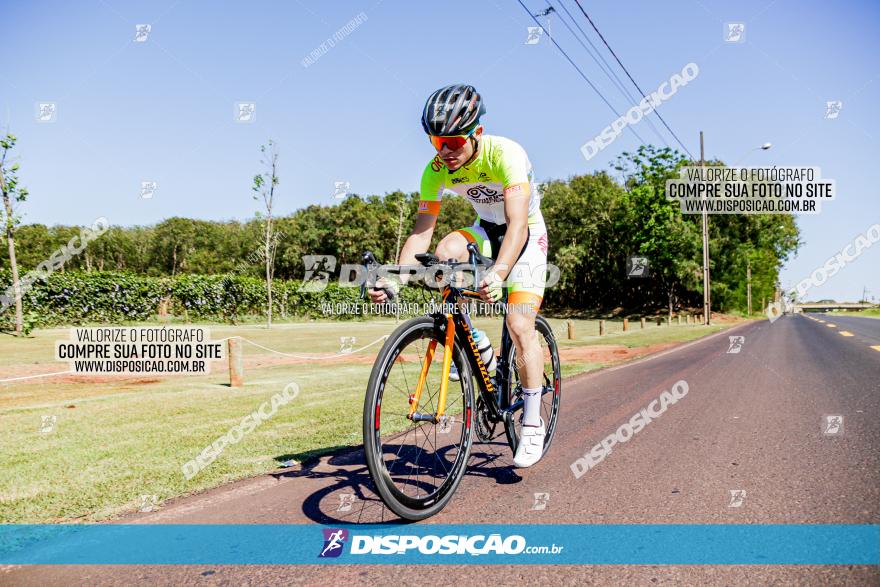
<point>448,349</point>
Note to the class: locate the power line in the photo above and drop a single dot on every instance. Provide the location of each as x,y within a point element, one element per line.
<point>595,28</point>
<point>573,64</point>
<point>607,70</point>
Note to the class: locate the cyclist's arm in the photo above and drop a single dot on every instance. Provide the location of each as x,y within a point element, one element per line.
<point>513,168</point>
<point>516,214</point>
<point>430,196</point>
<point>419,240</point>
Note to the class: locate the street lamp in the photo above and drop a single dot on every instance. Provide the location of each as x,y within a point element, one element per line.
<point>764,147</point>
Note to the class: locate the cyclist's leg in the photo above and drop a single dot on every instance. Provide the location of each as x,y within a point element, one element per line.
<point>525,286</point>
<point>454,246</point>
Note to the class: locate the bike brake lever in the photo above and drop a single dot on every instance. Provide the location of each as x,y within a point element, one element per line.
<point>476,256</point>
<point>371,263</point>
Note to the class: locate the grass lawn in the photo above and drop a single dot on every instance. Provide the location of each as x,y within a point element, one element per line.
<point>114,441</point>
<point>870,313</point>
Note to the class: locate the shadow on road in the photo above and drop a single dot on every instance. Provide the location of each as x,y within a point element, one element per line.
<point>347,494</point>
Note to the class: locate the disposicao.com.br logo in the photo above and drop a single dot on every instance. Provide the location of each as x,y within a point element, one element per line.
<point>457,544</point>
<point>334,539</point>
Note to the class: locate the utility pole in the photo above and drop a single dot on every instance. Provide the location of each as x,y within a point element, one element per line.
<point>749,284</point>
<point>707,300</point>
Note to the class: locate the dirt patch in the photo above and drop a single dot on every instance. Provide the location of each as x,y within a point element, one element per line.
<point>609,354</point>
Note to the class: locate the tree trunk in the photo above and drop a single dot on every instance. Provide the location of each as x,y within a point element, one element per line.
<point>268,193</point>
<point>269,270</point>
<point>10,238</point>
<point>269,252</point>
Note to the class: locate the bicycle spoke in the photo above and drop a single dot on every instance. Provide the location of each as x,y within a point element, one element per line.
<point>397,456</point>
<point>436,454</point>
<point>421,448</point>
<point>402,368</point>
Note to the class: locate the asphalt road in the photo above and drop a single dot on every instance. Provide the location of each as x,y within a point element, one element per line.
<point>756,421</point>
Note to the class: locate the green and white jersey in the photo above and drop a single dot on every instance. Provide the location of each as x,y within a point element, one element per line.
<point>500,164</point>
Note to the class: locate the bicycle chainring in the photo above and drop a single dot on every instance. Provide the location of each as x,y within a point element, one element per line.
<point>485,427</point>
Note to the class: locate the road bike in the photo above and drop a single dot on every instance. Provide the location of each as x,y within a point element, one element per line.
<point>418,425</point>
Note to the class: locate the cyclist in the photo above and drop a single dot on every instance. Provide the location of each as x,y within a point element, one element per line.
<point>495,175</point>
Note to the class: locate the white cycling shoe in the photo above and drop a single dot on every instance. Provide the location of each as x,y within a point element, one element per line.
<point>531,446</point>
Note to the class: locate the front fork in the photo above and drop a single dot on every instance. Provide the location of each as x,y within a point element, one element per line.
<point>502,409</point>
<point>415,398</point>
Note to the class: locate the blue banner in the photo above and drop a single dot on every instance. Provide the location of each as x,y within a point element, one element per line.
<point>721,544</point>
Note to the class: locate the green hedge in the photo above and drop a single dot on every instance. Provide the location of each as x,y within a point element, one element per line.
<point>111,298</point>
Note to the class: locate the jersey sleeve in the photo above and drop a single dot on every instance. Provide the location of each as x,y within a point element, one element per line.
<point>431,191</point>
<point>512,165</point>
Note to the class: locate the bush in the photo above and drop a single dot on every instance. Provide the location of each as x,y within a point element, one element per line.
<point>112,298</point>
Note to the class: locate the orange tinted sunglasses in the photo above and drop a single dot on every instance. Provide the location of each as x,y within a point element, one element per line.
<point>453,143</point>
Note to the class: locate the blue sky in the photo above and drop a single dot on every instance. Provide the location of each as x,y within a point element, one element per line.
<point>163,110</point>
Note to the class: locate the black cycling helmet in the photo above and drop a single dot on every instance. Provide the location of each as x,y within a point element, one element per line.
<point>453,110</point>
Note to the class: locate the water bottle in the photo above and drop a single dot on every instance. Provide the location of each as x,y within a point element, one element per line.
<point>485,349</point>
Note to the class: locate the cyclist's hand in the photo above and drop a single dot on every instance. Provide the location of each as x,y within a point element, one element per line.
<point>379,292</point>
<point>491,287</point>
<point>378,296</point>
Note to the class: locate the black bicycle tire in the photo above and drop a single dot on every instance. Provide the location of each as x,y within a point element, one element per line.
<point>375,463</point>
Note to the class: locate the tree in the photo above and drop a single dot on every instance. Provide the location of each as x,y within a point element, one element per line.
<point>174,240</point>
<point>13,193</point>
<point>264,187</point>
<point>668,240</point>
<point>581,216</point>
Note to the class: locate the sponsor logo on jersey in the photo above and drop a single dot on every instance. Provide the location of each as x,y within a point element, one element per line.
<point>484,194</point>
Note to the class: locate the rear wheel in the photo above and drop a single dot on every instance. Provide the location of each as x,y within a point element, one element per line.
<point>416,466</point>
<point>551,393</point>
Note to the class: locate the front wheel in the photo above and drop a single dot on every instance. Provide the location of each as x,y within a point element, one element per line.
<point>551,385</point>
<point>416,466</point>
